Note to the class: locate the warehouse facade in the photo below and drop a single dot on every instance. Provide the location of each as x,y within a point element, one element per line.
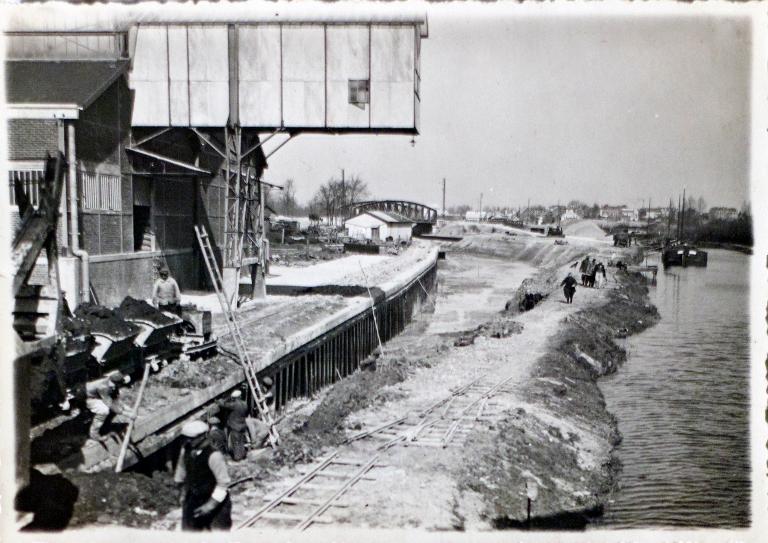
<point>143,117</point>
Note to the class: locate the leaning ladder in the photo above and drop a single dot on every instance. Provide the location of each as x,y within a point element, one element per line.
<point>234,330</point>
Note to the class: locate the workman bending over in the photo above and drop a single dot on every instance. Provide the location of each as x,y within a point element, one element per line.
<point>258,430</point>
<point>101,400</point>
<point>202,472</point>
<point>165,293</point>
<point>236,427</point>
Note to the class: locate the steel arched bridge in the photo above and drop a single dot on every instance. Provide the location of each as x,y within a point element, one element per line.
<point>423,216</point>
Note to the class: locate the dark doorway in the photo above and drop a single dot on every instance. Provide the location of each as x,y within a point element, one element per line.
<point>142,231</point>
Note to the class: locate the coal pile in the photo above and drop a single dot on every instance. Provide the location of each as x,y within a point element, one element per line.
<point>77,333</point>
<point>131,308</point>
<point>102,320</point>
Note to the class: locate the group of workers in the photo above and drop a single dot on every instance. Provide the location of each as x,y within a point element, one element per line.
<point>592,275</point>
<point>202,471</point>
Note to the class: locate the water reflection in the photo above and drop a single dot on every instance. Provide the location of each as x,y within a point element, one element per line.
<point>682,403</point>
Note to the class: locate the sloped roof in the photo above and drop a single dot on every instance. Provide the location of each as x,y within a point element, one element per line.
<point>66,83</point>
<point>390,217</point>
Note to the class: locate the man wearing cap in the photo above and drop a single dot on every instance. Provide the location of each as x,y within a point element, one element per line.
<point>216,435</point>
<point>202,472</point>
<point>100,399</point>
<point>236,426</point>
<point>258,430</point>
<point>165,293</point>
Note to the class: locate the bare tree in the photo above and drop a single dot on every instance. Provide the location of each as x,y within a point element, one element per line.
<point>288,198</point>
<point>334,197</point>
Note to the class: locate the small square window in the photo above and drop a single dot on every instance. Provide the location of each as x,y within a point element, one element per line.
<point>359,94</point>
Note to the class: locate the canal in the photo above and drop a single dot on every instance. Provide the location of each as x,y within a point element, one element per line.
<point>682,404</point>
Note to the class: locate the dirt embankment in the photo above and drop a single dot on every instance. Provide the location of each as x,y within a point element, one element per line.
<point>561,441</point>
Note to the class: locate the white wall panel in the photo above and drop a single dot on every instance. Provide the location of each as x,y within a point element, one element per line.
<point>348,58</point>
<point>208,75</point>
<point>178,74</point>
<point>259,75</point>
<point>392,79</point>
<point>303,75</point>
<point>149,77</point>
<point>391,105</point>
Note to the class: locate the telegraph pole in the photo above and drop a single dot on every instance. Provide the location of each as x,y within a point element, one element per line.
<point>343,196</point>
<point>443,196</point>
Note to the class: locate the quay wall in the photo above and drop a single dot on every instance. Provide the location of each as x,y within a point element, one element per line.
<point>300,365</point>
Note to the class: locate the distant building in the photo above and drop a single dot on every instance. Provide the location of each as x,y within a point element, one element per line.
<point>723,213</point>
<point>570,215</point>
<point>628,214</point>
<point>611,212</point>
<point>380,226</point>
<point>477,216</point>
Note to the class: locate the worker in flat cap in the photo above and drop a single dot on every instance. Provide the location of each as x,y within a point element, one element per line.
<point>101,399</point>
<point>204,478</point>
<point>165,292</point>
<point>237,439</point>
<point>258,430</point>
<point>216,435</point>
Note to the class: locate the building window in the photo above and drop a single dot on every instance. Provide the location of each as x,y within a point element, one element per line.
<point>359,94</point>
<point>30,182</point>
<point>100,192</point>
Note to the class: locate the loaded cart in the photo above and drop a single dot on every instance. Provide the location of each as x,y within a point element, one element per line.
<point>158,329</point>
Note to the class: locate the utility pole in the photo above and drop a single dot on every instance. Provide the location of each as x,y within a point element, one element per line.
<point>343,194</point>
<point>648,216</point>
<point>669,217</point>
<point>682,217</point>
<point>443,196</point>
<point>481,206</point>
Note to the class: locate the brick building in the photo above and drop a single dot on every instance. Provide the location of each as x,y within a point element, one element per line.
<point>127,213</point>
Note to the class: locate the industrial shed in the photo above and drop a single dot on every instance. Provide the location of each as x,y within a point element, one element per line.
<point>380,226</point>
<point>164,127</point>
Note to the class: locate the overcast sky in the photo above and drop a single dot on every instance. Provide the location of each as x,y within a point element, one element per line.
<point>609,110</point>
<point>599,108</point>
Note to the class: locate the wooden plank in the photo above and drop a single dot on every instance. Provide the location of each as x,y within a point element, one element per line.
<point>303,501</point>
<point>348,462</point>
<point>316,486</point>
<point>131,424</point>
<point>294,517</point>
<point>339,475</point>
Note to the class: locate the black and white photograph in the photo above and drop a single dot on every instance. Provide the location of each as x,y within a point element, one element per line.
<point>357,271</point>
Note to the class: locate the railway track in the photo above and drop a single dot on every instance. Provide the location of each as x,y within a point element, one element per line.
<point>446,422</point>
<point>305,502</point>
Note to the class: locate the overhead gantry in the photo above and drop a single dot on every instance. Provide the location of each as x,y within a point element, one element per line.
<point>237,85</point>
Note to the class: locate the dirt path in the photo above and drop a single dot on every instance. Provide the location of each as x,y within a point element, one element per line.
<point>418,486</point>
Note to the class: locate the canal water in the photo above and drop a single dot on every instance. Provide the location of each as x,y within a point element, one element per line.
<point>682,404</point>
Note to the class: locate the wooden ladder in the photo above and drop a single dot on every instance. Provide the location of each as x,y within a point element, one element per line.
<point>234,330</point>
